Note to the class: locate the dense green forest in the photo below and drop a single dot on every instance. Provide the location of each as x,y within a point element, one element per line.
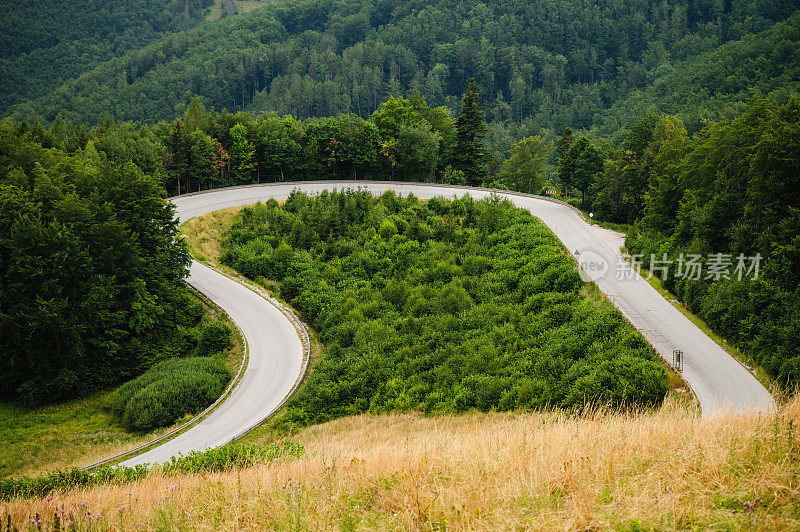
<point>540,64</point>
<point>717,84</point>
<point>731,190</point>
<point>91,272</point>
<point>441,306</point>
<point>44,43</point>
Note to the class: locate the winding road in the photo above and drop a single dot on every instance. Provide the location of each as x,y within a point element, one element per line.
<point>721,384</point>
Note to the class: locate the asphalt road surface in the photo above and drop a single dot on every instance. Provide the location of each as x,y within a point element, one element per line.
<point>721,384</point>
<point>276,358</point>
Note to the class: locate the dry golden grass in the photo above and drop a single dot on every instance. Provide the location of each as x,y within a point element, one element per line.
<point>205,234</point>
<point>665,469</point>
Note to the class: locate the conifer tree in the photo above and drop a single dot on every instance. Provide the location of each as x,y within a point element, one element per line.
<point>470,153</point>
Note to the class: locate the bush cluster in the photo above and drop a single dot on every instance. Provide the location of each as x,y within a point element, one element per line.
<point>168,391</point>
<point>219,459</point>
<point>440,306</point>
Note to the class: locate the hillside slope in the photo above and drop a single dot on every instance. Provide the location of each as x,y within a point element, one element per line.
<point>719,83</point>
<point>43,43</point>
<point>539,64</point>
<point>660,470</point>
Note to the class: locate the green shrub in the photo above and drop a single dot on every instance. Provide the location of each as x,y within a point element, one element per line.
<point>170,390</point>
<point>441,307</point>
<point>229,456</point>
<point>215,337</point>
<point>218,459</point>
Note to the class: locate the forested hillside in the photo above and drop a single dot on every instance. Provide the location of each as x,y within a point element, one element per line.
<point>719,83</point>
<point>43,43</point>
<point>542,64</point>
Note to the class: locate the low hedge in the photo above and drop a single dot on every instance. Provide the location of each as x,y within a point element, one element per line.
<point>168,391</point>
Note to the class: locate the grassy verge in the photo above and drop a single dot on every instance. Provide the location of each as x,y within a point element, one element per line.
<point>79,432</point>
<point>218,459</point>
<point>70,434</point>
<point>656,470</point>
<point>205,234</point>
<point>620,228</point>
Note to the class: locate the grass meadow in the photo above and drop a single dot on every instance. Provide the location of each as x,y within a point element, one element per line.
<point>653,470</point>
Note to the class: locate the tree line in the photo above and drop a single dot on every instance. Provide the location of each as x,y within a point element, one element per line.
<point>91,272</point>
<point>405,139</point>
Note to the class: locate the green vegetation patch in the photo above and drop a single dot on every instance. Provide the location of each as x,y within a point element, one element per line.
<point>442,306</point>
<point>79,431</point>
<point>169,390</point>
<point>219,459</point>
<point>34,437</point>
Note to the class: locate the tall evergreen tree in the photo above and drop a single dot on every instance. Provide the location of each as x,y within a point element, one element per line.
<point>470,154</point>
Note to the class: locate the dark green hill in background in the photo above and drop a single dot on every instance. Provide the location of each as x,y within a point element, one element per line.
<point>719,83</point>
<point>540,64</point>
<point>43,43</point>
